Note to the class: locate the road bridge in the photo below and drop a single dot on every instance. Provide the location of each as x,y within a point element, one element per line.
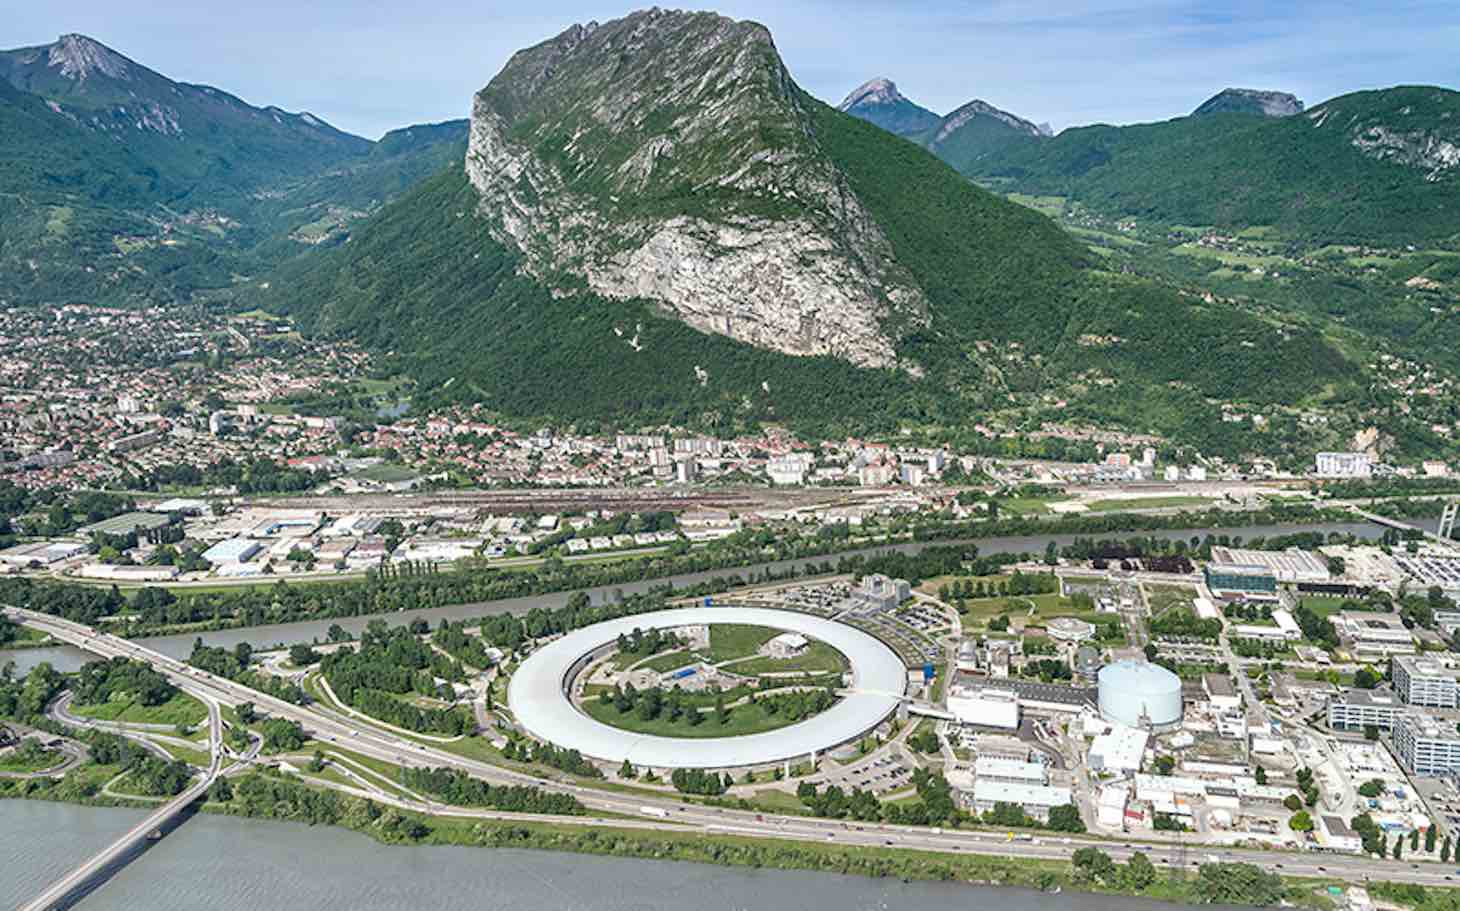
<point>64,891</point>
<point>672,814</point>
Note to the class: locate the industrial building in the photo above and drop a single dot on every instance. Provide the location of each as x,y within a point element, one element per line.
<point>1140,695</point>
<point>1069,629</point>
<point>1036,800</point>
<point>985,707</point>
<point>1240,580</point>
<point>988,768</point>
<point>1220,692</point>
<point>1357,709</point>
<point>1424,681</point>
<point>1343,465</point>
<point>1373,634</point>
<point>878,592</point>
<point>1291,566</point>
<point>1119,749</point>
<point>1283,629</point>
<point>1424,746</point>
<point>787,645</point>
<point>234,550</point>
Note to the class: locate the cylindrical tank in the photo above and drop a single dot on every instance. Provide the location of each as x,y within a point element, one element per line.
<point>1140,694</point>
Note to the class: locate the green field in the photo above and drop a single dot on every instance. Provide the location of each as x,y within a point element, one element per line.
<point>733,640</point>
<point>819,658</point>
<point>745,719</point>
<point>31,761</point>
<point>180,709</point>
<point>1147,503</point>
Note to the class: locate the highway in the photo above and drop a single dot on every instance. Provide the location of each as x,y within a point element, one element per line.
<point>673,815</point>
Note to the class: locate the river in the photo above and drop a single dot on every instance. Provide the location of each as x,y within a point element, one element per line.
<point>68,659</point>
<point>228,864</point>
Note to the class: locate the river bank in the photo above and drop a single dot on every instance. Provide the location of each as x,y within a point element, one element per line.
<point>225,860</point>
<point>263,636</point>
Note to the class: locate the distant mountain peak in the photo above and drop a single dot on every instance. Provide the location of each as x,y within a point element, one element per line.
<point>1251,101</point>
<point>980,108</point>
<point>78,57</point>
<point>874,91</point>
<point>878,101</point>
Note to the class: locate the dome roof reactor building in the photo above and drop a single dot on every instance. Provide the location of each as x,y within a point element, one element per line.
<point>1140,695</point>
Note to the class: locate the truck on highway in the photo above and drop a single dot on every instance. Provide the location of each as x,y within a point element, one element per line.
<point>658,812</point>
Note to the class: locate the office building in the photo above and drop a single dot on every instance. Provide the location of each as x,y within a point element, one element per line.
<point>1424,681</point>
<point>1424,745</point>
<point>1355,710</point>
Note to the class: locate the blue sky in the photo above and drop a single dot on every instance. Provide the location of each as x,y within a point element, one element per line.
<point>371,66</point>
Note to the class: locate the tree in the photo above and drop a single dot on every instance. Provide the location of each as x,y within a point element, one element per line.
<point>1260,774</point>
<point>1414,839</point>
<point>1371,788</point>
<point>627,770</point>
<point>1139,871</point>
<point>1093,864</point>
<point>1366,678</point>
<point>246,712</point>
<point>1431,833</point>
<point>1445,852</point>
<point>1238,884</point>
<point>221,791</point>
<point>1293,802</point>
<point>1165,765</point>
<point>1301,822</point>
<point>1052,554</point>
<point>1398,847</point>
<point>1066,818</point>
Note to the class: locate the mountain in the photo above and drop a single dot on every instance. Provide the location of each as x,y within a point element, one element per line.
<point>1373,167</point>
<point>207,140</point>
<point>976,131</point>
<point>1250,101</point>
<point>653,222</point>
<point>119,185</point>
<point>878,101</point>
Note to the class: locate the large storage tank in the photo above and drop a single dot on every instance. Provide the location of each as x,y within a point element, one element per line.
<point>1140,694</point>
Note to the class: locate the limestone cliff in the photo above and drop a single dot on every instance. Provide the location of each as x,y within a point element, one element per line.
<point>668,156</point>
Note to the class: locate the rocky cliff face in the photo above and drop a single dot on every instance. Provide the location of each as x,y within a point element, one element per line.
<point>1417,127</point>
<point>667,156</point>
<point>1251,101</point>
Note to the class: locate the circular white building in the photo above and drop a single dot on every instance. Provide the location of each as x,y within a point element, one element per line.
<point>1140,694</point>
<point>539,699</point>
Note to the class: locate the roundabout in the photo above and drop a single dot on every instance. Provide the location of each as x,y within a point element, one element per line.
<point>539,694</point>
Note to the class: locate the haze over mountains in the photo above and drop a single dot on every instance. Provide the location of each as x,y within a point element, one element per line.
<point>124,185</point>
<point>648,220</point>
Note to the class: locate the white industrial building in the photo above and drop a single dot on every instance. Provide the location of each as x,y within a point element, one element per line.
<point>989,768</point>
<point>787,645</point>
<point>985,707</point>
<point>1343,465</point>
<point>1036,800</point>
<point>1119,749</point>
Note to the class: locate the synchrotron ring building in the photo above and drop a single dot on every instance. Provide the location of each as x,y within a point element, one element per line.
<point>539,698</point>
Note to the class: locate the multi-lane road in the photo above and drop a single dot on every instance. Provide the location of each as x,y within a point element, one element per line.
<point>667,813</point>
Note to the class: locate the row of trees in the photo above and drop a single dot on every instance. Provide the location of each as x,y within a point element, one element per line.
<point>570,761</point>
<point>460,789</point>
